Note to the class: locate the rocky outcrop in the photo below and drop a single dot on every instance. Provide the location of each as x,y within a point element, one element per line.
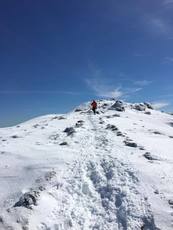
<point>118,106</point>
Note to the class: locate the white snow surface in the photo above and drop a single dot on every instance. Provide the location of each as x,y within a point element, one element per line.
<point>93,180</point>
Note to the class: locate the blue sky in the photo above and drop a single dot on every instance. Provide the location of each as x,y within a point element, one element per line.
<point>56,54</point>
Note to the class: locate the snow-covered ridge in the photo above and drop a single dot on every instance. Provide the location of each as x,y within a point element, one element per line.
<point>112,170</point>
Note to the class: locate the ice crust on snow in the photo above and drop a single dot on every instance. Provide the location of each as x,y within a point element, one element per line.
<point>108,171</point>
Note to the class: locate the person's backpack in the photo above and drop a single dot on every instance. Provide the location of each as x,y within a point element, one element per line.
<point>94,105</point>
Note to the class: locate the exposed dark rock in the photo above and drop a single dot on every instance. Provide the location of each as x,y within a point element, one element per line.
<point>115,115</point>
<point>170,136</point>
<point>129,140</point>
<point>78,110</point>
<point>58,118</point>
<point>27,200</point>
<point>170,202</point>
<point>49,175</point>
<point>55,118</point>
<point>41,188</point>
<point>14,136</point>
<point>141,148</point>
<point>63,143</point>
<point>130,144</point>
<point>70,131</point>
<point>171,124</point>
<point>25,228</point>
<point>118,106</point>
<point>119,133</point>
<point>148,112</point>
<point>105,105</point>
<point>61,118</point>
<point>148,156</point>
<point>79,123</point>
<point>149,106</point>
<point>1,219</point>
<point>112,127</point>
<point>35,126</point>
<point>139,107</point>
<point>156,191</point>
<point>157,132</point>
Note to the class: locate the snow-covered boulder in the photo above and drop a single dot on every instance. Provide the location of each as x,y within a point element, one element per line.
<point>27,200</point>
<point>118,106</point>
<point>149,106</point>
<point>139,107</point>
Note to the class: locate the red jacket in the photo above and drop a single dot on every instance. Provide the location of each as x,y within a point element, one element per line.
<point>94,105</point>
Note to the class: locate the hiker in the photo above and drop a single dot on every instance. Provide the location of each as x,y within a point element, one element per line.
<point>94,106</point>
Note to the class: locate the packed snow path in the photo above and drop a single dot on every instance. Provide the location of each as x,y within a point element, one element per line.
<point>96,187</point>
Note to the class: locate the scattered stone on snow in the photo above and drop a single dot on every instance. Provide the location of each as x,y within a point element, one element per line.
<point>58,118</point>
<point>148,112</point>
<point>130,144</point>
<point>157,132</point>
<point>42,188</point>
<point>1,219</point>
<point>55,117</point>
<point>63,143</point>
<point>49,175</point>
<point>149,106</point>
<point>70,131</point>
<point>115,115</point>
<point>119,133</point>
<point>14,136</point>
<point>171,124</point>
<point>141,148</point>
<point>35,126</point>
<point>112,127</point>
<point>170,202</point>
<point>149,156</point>
<point>156,191</point>
<point>79,123</point>
<point>118,106</point>
<point>61,118</point>
<point>27,200</point>
<point>139,107</point>
<point>78,110</point>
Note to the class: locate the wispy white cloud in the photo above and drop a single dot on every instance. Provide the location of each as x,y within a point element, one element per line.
<point>160,104</point>
<point>167,2</point>
<point>103,89</point>
<point>38,92</point>
<point>133,90</point>
<point>142,83</point>
<point>158,25</point>
<point>168,60</point>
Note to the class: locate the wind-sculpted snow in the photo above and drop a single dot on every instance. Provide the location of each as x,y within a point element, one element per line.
<point>79,171</point>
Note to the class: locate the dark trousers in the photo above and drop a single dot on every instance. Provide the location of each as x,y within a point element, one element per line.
<point>94,110</point>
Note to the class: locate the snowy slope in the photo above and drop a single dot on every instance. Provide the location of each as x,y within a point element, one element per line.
<point>112,170</point>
